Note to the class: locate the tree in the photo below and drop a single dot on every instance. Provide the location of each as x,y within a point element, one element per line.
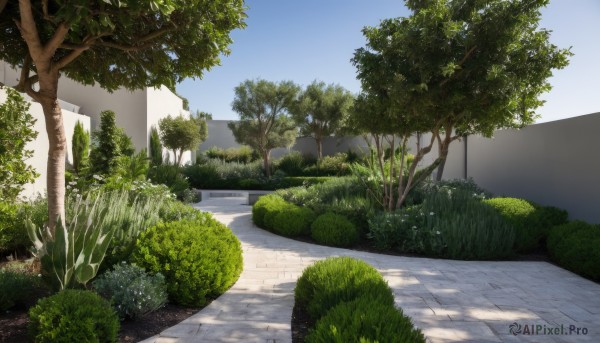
<point>321,110</point>
<point>16,130</point>
<point>156,148</point>
<point>124,43</point>
<point>460,68</point>
<point>200,119</point>
<point>180,134</point>
<point>264,121</point>
<point>203,115</point>
<point>81,147</point>
<point>106,148</point>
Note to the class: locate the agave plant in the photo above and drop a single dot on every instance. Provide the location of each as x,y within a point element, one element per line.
<point>79,244</point>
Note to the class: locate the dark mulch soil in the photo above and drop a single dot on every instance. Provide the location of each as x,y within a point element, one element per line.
<point>13,325</point>
<point>300,325</point>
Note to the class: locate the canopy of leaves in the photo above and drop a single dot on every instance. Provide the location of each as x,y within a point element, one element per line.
<point>16,130</point>
<point>478,65</point>
<point>263,108</point>
<point>321,109</point>
<point>128,43</point>
<point>180,134</point>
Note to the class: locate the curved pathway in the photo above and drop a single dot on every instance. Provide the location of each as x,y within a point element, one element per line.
<point>451,301</point>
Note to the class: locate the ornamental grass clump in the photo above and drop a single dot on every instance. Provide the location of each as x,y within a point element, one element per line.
<point>199,259</point>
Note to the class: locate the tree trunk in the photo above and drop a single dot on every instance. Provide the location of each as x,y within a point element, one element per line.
<point>57,147</point>
<point>319,142</point>
<point>266,163</point>
<point>443,153</point>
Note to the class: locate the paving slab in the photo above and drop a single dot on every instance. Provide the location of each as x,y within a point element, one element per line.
<point>451,301</point>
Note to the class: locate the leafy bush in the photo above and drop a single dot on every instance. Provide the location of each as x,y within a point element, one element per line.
<point>200,260</point>
<point>131,290</point>
<point>364,320</point>
<point>334,280</point>
<point>73,316</point>
<point>216,174</point>
<point>173,210</point>
<point>449,223</point>
<point>357,209</point>
<point>334,229</point>
<point>266,204</point>
<point>171,176</point>
<point>243,154</point>
<point>12,235</point>
<point>576,246</point>
<point>330,165</point>
<point>16,288</point>
<point>294,221</point>
<point>291,163</point>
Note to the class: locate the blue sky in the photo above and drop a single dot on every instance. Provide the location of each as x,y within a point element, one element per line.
<point>315,39</point>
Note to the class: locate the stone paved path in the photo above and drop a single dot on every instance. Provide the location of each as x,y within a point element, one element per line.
<point>451,301</point>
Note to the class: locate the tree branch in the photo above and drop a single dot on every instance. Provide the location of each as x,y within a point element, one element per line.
<point>65,60</point>
<point>460,63</point>
<point>143,39</point>
<point>28,29</point>
<point>56,40</point>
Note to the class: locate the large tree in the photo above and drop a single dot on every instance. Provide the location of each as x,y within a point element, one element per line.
<point>115,43</point>
<point>321,110</point>
<point>462,67</point>
<point>264,122</point>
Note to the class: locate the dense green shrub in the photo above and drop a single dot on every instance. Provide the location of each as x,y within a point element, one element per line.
<point>266,204</point>
<point>329,165</point>
<point>243,154</point>
<point>200,260</point>
<point>291,163</point>
<point>334,229</point>
<point>576,246</point>
<point>12,234</point>
<point>73,316</point>
<point>294,221</point>
<point>451,223</point>
<point>16,288</point>
<point>170,176</point>
<point>364,320</point>
<point>273,210</point>
<point>216,174</point>
<point>329,282</point>
<point>173,210</point>
<point>131,290</point>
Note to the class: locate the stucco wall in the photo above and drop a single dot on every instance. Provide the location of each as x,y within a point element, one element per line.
<point>40,145</point>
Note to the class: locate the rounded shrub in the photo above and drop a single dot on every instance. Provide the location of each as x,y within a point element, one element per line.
<point>17,287</point>
<point>576,247</point>
<point>334,229</point>
<point>73,316</point>
<point>329,282</point>
<point>131,290</point>
<point>266,204</point>
<point>365,320</point>
<point>173,210</point>
<point>522,216</point>
<point>199,259</point>
<point>294,221</point>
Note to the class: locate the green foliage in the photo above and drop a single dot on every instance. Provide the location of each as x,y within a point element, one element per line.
<point>293,221</point>
<point>179,134</point>
<point>267,206</point>
<point>364,320</point>
<point>13,236</point>
<point>73,316</point>
<point>17,287</point>
<point>133,168</point>
<point>16,130</point>
<point>334,229</point>
<point>216,174</point>
<point>291,163</point>
<point>522,216</point>
<point>131,290</point>
<point>243,154</point>
<point>73,256</point>
<point>576,247</point>
<point>171,176</point>
<point>334,280</point>
<point>199,259</point>
<point>321,110</point>
<point>335,165</point>
<point>264,123</point>
<point>156,148</point>
<point>106,147</point>
<point>173,210</point>
<point>449,223</point>
<point>81,148</point>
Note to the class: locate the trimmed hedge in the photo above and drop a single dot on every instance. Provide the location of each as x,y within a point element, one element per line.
<point>294,221</point>
<point>576,247</point>
<point>73,316</point>
<point>266,204</point>
<point>200,260</point>
<point>334,229</point>
<point>329,282</point>
<point>364,320</point>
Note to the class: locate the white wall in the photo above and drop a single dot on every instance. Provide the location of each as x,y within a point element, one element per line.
<point>40,145</point>
<point>160,103</point>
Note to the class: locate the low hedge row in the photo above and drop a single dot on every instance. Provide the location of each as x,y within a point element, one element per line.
<point>273,213</point>
<point>576,246</point>
<point>349,301</point>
